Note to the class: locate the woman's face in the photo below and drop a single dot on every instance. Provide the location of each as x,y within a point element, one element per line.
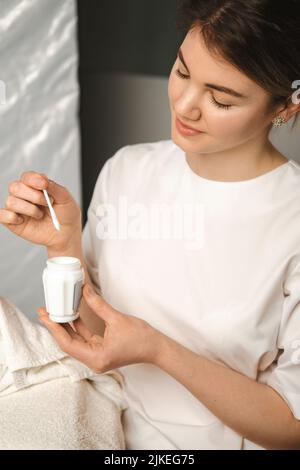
<point>193,101</point>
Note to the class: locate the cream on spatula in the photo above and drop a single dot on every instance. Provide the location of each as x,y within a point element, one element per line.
<point>52,213</point>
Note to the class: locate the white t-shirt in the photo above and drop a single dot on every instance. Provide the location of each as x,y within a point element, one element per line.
<point>226,286</point>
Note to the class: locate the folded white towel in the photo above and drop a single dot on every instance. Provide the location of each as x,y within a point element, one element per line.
<point>37,378</point>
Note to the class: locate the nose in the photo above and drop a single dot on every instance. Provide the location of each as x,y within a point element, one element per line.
<point>187,107</point>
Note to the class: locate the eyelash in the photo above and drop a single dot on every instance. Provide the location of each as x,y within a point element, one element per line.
<point>216,103</point>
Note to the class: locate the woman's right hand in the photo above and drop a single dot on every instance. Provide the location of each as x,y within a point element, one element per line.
<point>26,200</point>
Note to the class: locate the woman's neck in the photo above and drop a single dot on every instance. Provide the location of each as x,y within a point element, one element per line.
<point>236,164</point>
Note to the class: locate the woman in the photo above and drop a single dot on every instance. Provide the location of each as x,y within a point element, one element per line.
<point>205,327</point>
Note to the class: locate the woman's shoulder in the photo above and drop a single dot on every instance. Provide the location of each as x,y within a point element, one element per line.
<point>296,166</point>
<point>138,166</point>
<point>137,151</point>
<point>293,167</point>
<point>281,159</point>
<point>293,179</point>
<point>140,158</point>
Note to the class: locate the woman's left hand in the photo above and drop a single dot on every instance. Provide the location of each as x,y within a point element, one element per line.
<point>127,339</point>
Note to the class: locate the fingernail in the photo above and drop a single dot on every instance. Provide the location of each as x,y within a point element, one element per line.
<point>20,220</point>
<point>39,178</point>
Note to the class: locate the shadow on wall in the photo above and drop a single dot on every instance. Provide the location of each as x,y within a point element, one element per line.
<point>120,110</point>
<point>126,54</point>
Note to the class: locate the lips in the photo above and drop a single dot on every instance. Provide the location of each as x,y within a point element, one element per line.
<point>186,131</point>
<point>188,127</point>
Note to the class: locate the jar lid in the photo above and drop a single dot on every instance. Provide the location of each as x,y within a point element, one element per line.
<point>64,263</point>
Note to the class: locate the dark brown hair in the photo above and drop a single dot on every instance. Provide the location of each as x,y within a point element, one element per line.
<point>261,38</point>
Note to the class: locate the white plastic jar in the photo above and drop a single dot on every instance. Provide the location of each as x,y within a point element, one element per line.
<point>63,279</point>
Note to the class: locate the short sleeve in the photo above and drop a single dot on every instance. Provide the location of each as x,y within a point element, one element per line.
<point>285,375</point>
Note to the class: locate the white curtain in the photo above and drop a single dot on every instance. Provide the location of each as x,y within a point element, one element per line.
<point>38,123</point>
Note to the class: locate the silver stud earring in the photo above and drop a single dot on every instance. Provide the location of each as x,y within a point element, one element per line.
<point>278,121</point>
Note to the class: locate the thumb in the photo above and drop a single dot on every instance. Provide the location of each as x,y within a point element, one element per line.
<point>60,194</point>
<point>97,303</point>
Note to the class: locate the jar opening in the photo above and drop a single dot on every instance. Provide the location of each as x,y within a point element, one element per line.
<point>64,263</point>
<point>64,260</point>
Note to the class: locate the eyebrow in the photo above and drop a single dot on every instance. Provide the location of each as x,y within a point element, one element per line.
<point>222,89</point>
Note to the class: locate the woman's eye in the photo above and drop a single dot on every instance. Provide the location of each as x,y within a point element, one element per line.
<point>181,75</point>
<point>219,105</point>
<point>216,103</point>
